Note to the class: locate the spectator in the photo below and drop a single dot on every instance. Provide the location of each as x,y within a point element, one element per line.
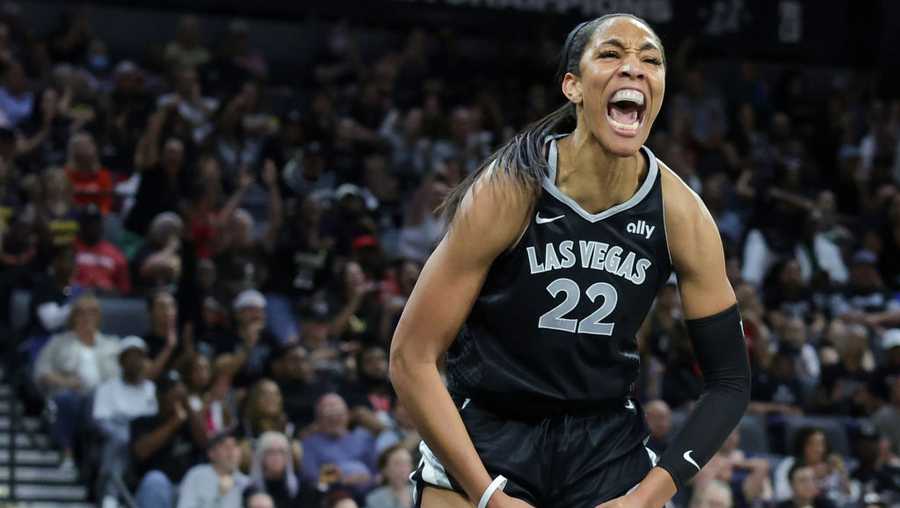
<point>91,181</point>
<point>51,300</point>
<point>187,49</point>
<point>804,489</point>
<point>716,494</point>
<point>163,180</point>
<point>209,390</point>
<point>370,395</point>
<point>299,382</point>
<point>659,421</point>
<point>99,265</point>
<point>256,499</point>
<point>163,345</point>
<point>71,366</point>
<point>400,431</point>
<point>878,470</point>
<point>795,343</point>
<point>117,402</point>
<point>54,216</point>
<point>844,385</point>
<point>159,261</point>
<point>334,447</point>
<point>272,470</point>
<point>16,99</point>
<point>830,476</point>
<point>422,227</point>
<point>191,109</point>
<point>887,419</point>
<point>165,446</point>
<point>252,343</point>
<point>395,464</point>
<point>219,483</point>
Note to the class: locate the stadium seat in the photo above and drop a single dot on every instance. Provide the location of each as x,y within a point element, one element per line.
<point>833,428</point>
<point>754,439</point>
<point>124,316</point>
<point>18,314</point>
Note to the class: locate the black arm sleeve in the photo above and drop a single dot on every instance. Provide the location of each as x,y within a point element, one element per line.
<point>721,351</point>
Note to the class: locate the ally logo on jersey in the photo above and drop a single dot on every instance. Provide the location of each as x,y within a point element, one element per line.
<point>589,254</point>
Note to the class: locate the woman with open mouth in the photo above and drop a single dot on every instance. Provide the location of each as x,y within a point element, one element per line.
<point>555,250</point>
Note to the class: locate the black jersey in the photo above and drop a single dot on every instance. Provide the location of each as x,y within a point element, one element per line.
<point>555,322</point>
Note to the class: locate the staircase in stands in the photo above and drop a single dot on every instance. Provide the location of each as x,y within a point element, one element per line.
<point>39,481</point>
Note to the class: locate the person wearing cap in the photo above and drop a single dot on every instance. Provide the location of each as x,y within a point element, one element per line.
<point>252,343</point>
<point>117,401</point>
<point>878,470</point>
<point>219,483</point>
<point>99,264</point>
<point>166,445</point>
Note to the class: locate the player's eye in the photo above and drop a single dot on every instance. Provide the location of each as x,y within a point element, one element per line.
<point>608,54</point>
<point>653,61</point>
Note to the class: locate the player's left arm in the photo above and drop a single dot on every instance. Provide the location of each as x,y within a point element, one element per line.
<point>714,324</point>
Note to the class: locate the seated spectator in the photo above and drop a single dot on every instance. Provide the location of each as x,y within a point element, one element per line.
<point>99,264</point>
<point>867,299</point>
<point>716,494</point>
<point>264,412</point>
<point>16,97</point>
<point>422,227</point>
<point>158,263</point>
<point>241,262</point>
<point>71,366</point>
<point>395,465</point>
<point>54,215</point>
<point>316,326</point>
<point>776,388</point>
<point>252,344</point>
<point>845,379</point>
<point>218,484</point>
<point>400,431</point>
<point>92,182</point>
<point>117,402</point>
<point>795,341</point>
<point>165,446</point>
<point>370,394</point>
<point>889,368</point>
<point>805,491</point>
<point>300,384</point>
<point>334,449</point>
<point>163,345</point>
<point>51,300</point>
<point>748,479</point>
<point>209,390</point>
<point>878,470</point>
<point>659,421</point>
<point>887,419</point>
<point>831,477</point>
<point>163,179</point>
<point>272,469</point>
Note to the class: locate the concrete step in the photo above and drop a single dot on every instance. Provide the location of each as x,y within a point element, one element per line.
<point>32,457</point>
<point>47,493</point>
<point>33,474</point>
<point>30,422</point>
<point>24,442</point>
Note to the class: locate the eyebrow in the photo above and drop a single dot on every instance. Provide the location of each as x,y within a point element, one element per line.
<point>619,44</point>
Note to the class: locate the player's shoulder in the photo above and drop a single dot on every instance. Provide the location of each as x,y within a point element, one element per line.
<point>683,207</point>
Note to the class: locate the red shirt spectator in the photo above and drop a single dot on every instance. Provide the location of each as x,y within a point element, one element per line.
<point>92,182</point>
<point>99,264</point>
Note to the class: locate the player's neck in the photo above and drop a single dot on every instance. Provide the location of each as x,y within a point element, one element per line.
<point>592,176</point>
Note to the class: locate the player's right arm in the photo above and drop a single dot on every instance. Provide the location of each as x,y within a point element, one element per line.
<point>490,219</point>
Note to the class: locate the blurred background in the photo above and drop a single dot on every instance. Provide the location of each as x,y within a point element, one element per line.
<point>212,214</point>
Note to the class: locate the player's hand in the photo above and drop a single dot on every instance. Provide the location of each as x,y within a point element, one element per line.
<point>501,500</point>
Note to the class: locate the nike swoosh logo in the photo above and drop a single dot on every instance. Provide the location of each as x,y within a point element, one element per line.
<point>629,404</point>
<point>544,220</point>
<point>687,457</point>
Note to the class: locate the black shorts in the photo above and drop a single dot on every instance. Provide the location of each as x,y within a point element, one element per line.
<point>567,460</point>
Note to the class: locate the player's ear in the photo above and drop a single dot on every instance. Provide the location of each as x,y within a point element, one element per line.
<point>571,88</point>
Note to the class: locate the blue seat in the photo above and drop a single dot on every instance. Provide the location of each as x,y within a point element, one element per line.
<point>754,438</point>
<point>124,316</point>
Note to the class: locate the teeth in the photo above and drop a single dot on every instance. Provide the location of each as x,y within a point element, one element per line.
<point>624,126</point>
<point>628,94</point>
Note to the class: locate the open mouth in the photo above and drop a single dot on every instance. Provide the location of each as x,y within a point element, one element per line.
<point>625,111</point>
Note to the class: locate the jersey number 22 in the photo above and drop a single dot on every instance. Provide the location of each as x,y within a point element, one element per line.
<point>555,319</point>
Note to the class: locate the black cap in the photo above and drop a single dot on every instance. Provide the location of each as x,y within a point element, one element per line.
<point>316,310</point>
<point>167,381</point>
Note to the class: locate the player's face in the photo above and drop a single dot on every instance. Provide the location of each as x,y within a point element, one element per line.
<point>621,86</point>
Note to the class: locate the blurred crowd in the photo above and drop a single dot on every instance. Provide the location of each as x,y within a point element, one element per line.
<point>275,230</point>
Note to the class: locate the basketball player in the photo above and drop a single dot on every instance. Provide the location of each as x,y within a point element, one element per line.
<point>554,252</point>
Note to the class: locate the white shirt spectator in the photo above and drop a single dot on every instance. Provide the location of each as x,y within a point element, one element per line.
<point>200,489</point>
<point>65,354</point>
<point>116,399</point>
